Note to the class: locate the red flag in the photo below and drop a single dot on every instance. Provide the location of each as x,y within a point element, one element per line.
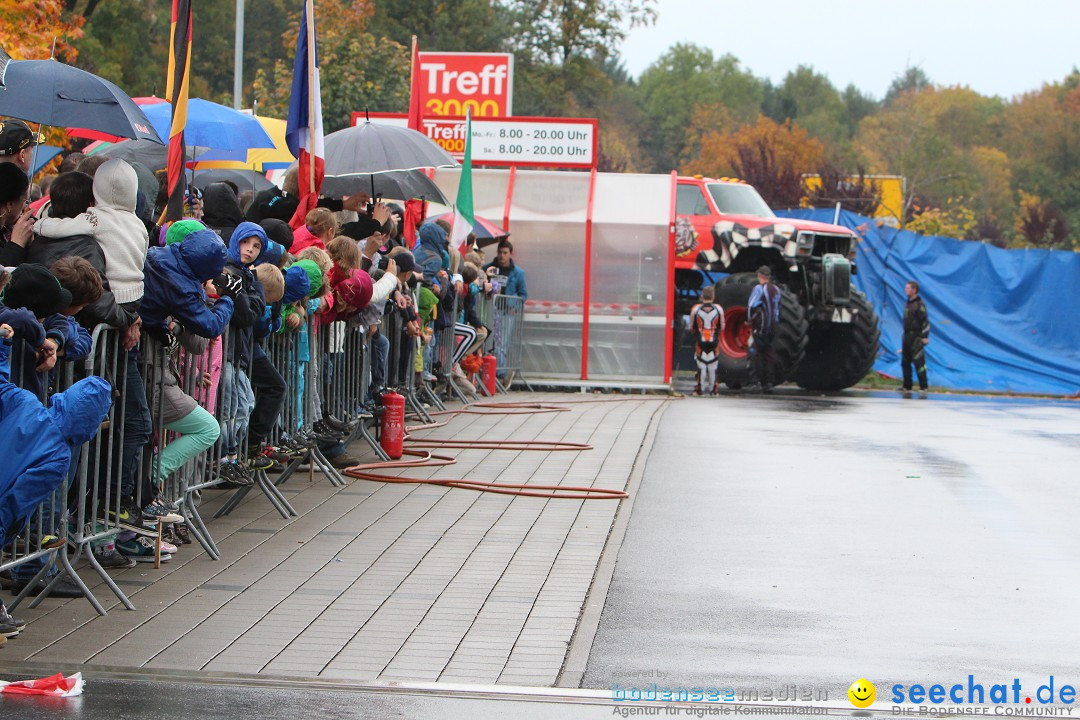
<point>416,101</point>
<point>414,215</point>
<point>177,90</point>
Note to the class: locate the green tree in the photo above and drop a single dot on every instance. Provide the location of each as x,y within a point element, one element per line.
<point>555,31</point>
<point>122,44</point>
<point>683,79</point>
<point>357,69</point>
<point>913,79</point>
<point>904,139</point>
<point>810,99</point>
<point>443,25</point>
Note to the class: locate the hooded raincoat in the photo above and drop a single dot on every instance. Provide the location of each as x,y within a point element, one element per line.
<point>36,443</point>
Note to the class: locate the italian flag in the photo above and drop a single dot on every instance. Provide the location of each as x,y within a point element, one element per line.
<point>463,207</point>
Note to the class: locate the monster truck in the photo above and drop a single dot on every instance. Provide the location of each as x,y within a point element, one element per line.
<point>827,337</point>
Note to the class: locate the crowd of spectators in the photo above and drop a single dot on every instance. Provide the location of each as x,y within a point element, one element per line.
<point>85,248</point>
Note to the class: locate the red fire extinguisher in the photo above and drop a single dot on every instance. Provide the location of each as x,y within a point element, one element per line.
<point>487,374</point>
<point>392,433</point>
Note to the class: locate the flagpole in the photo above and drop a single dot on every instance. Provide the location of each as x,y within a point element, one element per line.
<point>412,65</point>
<point>310,9</point>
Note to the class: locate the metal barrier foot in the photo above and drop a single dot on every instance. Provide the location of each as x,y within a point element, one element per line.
<point>434,398</point>
<point>417,406</point>
<point>331,473</point>
<point>363,431</point>
<point>198,528</point>
<point>233,501</point>
<point>48,559</point>
<point>108,581</point>
<point>284,508</point>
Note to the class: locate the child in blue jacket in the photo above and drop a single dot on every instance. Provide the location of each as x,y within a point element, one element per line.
<point>174,312</point>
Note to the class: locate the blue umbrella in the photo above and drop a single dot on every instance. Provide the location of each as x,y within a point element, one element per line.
<point>210,125</point>
<point>43,155</point>
<point>52,93</point>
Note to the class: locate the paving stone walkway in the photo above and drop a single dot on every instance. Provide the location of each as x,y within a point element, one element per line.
<point>376,582</point>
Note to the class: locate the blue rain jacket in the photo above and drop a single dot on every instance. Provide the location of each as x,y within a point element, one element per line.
<point>36,443</point>
<point>174,276</point>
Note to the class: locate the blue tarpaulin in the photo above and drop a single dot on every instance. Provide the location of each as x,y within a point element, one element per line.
<point>1000,320</point>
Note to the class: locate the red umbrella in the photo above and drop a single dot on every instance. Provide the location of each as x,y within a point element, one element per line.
<point>487,232</point>
<point>97,135</point>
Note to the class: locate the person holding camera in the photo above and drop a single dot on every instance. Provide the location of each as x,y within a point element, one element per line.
<point>174,313</point>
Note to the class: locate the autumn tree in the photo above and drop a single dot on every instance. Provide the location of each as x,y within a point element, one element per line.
<point>443,25</point>
<point>29,27</point>
<point>857,193</point>
<point>675,88</point>
<point>357,70</point>
<point>1040,223</point>
<point>771,156</point>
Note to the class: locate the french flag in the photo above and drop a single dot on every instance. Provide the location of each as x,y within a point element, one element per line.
<point>304,128</point>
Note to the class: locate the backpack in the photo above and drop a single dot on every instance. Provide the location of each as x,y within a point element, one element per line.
<point>761,316</point>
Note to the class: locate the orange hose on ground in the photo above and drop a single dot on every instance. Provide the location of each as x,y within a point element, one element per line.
<point>427,459</point>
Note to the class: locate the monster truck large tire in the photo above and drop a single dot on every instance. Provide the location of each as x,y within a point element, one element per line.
<point>840,354</point>
<point>789,335</point>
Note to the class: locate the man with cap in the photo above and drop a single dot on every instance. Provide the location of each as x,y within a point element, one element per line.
<point>763,309</point>
<point>17,143</point>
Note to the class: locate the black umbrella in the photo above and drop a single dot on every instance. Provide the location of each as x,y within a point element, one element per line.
<point>243,179</point>
<point>49,92</point>
<point>151,154</point>
<point>375,147</point>
<point>395,184</point>
<point>371,148</point>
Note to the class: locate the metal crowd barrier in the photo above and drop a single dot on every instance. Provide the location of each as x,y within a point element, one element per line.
<point>76,512</point>
<point>508,328</point>
<point>300,410</point>
<point>400,370</point>
<point>85,508</point>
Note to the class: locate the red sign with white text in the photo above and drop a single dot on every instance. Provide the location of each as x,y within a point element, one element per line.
<point>453,82</point>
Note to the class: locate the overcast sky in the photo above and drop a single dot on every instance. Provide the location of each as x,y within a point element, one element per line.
<point>993,47</point>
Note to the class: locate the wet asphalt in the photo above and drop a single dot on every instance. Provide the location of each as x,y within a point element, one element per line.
<point>789,543</point>
<point>804,540</point>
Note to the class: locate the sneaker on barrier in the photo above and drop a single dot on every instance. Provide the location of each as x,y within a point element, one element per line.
<point>129,513</point>
<point>166,547</point>
<point>112,560</point>
<point>258,459</point>
<point>337,425</point>
<point>9,626</point>
<point>140,549</point>
<point>325,432</point>
<point>158,512</point>
<point>234,475</point>
<point>183,533</point>
<point>292,448</point>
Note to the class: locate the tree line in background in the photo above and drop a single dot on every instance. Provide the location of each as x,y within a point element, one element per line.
<point>976,167</point>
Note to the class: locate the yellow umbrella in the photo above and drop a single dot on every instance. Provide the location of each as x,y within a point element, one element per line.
<point>258,159</point>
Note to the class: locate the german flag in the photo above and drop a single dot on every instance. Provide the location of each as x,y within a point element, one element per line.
<point>177,91</point>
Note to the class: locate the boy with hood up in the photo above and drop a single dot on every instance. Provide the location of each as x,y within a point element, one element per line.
<point>174,312</point>
<point>252,372</point>
<point>36,443</point>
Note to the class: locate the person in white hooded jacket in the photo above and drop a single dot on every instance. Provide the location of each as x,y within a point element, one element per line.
<point>123,239</point>
<point>113,223</point>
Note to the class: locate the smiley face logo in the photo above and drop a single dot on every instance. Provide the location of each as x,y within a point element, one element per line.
<point>862,693</point>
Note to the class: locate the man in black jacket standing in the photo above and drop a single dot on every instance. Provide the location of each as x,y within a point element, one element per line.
<point>916,336</point>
